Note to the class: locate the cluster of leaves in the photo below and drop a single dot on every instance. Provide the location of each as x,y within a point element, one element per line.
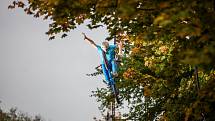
<point>167,71</point>
<point>98,71</point>
<point>13,115</point>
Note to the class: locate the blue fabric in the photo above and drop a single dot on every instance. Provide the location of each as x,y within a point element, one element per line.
<point>112,67</point>
<point>107,72</point>
<point>109,54</point>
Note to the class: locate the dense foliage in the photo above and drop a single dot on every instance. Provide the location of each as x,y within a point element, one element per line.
<point>167,71</point>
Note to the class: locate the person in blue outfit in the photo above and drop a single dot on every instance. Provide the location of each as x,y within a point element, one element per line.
<point>107,55</point>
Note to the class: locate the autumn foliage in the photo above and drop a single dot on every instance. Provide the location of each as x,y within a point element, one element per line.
<point>167,69</point>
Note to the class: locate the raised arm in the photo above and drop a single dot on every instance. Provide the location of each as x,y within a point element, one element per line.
<point>89,40</point>
<point>120,46</point>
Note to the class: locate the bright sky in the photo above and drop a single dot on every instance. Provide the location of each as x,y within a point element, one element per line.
<point>47,77</point>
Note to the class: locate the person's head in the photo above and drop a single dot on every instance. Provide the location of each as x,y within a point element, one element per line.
<point>105,45</point>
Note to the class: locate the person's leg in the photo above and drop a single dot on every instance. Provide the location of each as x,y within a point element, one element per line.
<point>106,74</point>
<point>109,78</point>
<point>114,68</point>
<point>110,70</point>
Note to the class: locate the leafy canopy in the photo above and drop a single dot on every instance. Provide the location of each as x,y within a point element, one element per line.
<point>167,71</point>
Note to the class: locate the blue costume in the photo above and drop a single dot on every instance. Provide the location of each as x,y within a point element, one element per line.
<point>110,67</point>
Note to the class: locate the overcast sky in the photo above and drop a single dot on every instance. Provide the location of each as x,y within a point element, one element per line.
<point>47,77</point>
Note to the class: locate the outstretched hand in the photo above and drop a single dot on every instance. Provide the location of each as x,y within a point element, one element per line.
<point>89,40</point>
<point>84,35</point>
